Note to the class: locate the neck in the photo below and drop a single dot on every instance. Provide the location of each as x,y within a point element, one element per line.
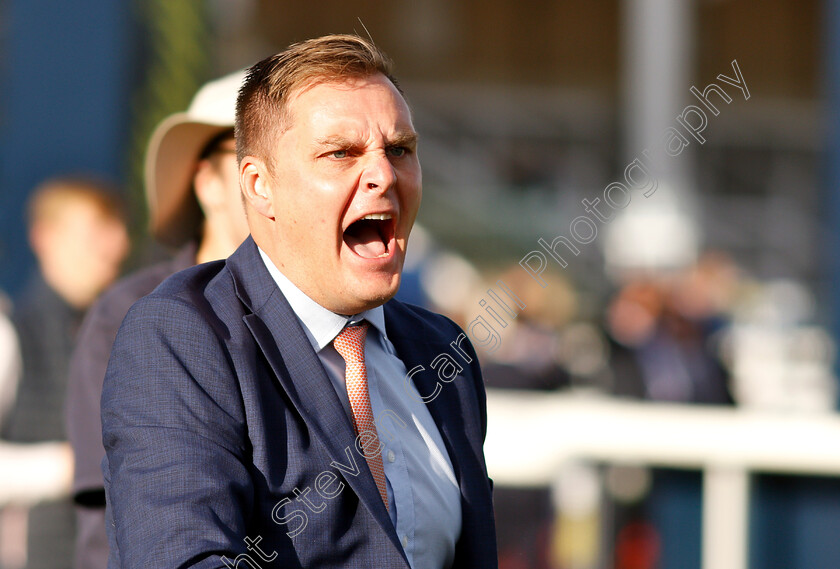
<point>215,244</point>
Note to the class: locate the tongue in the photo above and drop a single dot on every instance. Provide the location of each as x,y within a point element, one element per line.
<point>364,240</point>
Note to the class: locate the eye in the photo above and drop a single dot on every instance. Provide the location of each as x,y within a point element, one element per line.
<point>397,151</point>
<point>339,154</point>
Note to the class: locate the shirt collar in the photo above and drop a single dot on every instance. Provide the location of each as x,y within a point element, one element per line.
<point>321,325</point>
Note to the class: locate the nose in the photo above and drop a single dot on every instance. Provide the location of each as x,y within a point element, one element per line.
<point>379,173</point>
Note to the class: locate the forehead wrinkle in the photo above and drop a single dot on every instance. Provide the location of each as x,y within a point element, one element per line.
<point>402,137</point>
<point>349,131</point>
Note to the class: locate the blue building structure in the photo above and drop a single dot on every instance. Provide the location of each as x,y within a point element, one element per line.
<point>65,80</point>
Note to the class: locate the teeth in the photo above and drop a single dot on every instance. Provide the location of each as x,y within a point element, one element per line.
<point>378,216</point>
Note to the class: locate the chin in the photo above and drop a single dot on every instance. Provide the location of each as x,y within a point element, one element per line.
<point>373,301</point>
<point>371,297</point>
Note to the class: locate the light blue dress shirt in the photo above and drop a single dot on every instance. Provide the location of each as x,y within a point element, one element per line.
<point>423,493</point>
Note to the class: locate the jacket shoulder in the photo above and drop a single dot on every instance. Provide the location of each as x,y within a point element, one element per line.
<point>196,296</point>
<point>420,323</point>
<point>189,281</point>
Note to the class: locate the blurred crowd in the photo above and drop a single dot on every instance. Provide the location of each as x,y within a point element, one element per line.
<point>705,333</point>
<point>57,339</point>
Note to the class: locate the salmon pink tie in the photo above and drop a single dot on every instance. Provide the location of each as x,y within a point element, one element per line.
<point>350,344</point>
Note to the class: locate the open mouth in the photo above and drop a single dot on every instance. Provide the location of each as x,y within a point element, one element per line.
<point>371,236</point>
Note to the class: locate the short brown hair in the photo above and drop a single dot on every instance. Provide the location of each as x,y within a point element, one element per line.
<point>260,107</point>
<point>49,200</point>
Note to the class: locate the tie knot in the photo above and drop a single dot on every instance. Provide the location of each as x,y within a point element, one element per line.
<point>350,343</point>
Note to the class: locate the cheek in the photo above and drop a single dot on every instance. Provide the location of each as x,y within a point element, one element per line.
<point>84,242</point>
<point>411,197</point>
<point>105,256</point>
<point>328,204</point>
<point>411,181</point>
<point>312,204</point>
<point>119,244</point>
<point>305,226</point>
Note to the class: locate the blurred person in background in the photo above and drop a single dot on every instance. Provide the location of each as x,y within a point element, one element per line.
<point>192,188</point>
<point>529,358</point>
<point>529,354</point>
<point>664,332</point>
<point>10,365</point>
<point>78,233</point>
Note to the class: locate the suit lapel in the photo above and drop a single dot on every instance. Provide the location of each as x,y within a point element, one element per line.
<point>281,338</point>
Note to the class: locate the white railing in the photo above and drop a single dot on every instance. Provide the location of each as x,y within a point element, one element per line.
<point>32,473</point>
<point>531,435</point>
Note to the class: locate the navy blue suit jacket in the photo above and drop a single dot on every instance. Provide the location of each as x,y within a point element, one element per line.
<point>219,424</point>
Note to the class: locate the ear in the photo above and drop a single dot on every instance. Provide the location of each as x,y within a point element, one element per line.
<point>256,185</point>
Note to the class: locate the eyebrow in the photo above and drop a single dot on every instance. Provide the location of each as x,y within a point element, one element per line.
<point>402,138</point>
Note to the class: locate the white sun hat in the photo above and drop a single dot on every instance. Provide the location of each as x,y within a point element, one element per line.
<point>172,156</point>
